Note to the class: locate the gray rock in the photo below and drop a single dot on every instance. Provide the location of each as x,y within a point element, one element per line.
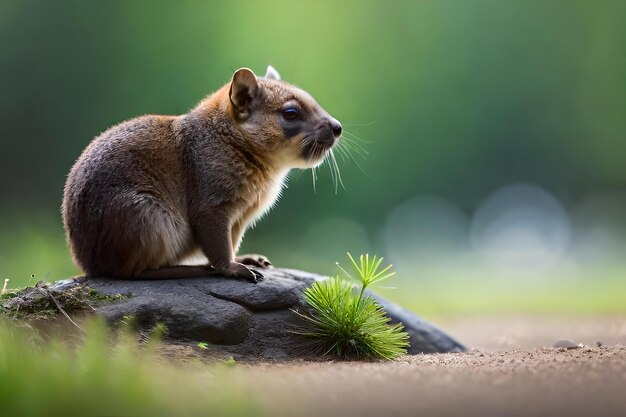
<point>565,344</point>
<point>238,317</point>
<point>423,336</point>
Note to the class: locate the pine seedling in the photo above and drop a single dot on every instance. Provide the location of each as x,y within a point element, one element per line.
<point>346,322</point>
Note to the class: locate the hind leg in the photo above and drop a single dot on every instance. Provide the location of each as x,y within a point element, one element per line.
<point>140,237</point>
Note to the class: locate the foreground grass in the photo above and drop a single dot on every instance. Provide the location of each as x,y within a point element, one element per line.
<point>101,377</point>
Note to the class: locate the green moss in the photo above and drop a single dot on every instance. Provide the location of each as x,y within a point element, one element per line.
<point>42,302</point>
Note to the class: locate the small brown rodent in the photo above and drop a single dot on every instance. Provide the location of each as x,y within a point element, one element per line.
<point>152,191</point>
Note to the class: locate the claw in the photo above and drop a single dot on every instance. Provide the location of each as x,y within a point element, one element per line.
<point>257,275</point>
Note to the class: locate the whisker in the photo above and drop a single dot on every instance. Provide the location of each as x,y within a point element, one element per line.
<point>331,169</point>
<point>314,172</point>
<point>359,123</point>
<point>342,152</point>
<point>359,151</point>
<point>355,143</point>
<point>338,176</point>
<point>346,149</point>
<point>353,136</point>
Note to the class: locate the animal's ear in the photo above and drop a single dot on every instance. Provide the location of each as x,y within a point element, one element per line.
<point>272,74</point>
<point>243,89</point>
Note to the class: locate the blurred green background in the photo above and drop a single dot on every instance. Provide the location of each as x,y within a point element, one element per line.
<point>495,178</point>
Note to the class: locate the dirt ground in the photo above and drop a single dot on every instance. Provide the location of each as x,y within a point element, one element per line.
<point>512,370</point>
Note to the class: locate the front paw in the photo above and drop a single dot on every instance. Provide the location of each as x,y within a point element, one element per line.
<point>254,260</point>
<point>237,270</point>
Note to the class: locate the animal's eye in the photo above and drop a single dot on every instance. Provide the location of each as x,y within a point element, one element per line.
<point>290,113</point>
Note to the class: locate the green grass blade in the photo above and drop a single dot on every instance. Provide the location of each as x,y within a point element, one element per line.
<point>349,324</point>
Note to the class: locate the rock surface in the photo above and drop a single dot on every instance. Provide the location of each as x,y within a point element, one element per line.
<point>237,317</point>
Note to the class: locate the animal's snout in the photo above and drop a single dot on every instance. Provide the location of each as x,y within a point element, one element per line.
<point>330,130</point>
<point>336,127</point>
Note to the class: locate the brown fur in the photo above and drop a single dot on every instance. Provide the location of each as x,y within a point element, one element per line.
<point>151,191</point>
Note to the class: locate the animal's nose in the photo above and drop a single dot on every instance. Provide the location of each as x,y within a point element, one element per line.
<point>336,127</point>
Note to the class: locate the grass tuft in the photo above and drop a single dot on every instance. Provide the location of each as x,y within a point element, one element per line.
<point>346,322</point>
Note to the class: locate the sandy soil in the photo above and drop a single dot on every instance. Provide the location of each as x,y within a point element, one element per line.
<point>511,371</point>
<point>494,333</point>
<point>537,382</point>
